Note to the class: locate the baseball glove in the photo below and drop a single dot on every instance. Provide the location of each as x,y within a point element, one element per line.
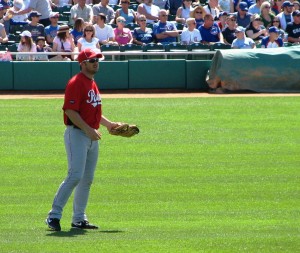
<point>125,130</point>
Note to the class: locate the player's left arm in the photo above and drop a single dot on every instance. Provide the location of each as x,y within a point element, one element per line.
<point>107,123</point>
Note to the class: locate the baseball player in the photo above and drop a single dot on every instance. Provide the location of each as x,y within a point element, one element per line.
<point>82,117</point>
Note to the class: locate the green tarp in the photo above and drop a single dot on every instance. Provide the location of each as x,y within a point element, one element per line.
<point>259,70</point>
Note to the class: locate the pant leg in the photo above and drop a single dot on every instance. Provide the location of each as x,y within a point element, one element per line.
<point>83,188</point>
<point>77,145</point>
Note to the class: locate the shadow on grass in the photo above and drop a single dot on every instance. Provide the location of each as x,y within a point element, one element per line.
<point>73,232</point>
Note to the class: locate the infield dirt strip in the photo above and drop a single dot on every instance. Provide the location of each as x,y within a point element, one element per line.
<point>139,94</point>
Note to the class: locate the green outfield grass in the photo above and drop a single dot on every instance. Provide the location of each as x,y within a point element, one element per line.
<point>204,175</point>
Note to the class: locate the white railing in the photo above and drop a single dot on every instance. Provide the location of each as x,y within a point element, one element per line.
<point>43,55</point>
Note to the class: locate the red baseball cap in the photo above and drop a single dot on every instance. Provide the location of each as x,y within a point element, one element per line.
<point>89,53</point>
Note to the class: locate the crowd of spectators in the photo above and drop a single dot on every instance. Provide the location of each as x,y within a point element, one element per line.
<point>92,23</point>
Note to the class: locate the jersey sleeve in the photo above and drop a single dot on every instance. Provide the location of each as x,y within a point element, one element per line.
<point>72,96</point>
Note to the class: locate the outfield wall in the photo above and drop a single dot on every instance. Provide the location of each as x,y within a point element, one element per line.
<point>119,75</point>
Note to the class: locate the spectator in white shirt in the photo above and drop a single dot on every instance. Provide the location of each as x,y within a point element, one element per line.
<point>104,32</point>
<point>191,34</point>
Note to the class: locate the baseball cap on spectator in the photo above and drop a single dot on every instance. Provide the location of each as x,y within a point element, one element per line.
<point>223,13</point>
<point>25,33</point>
<point>88,54</point>
<point>296,13</point>
<point>243,6</point>
<point>5,5</point>
<point>287,4</point>
<point>54,14</point>
<point>63,28</point>
<point>34,14</point>
<point>18,4</point>
<point>40,38</point>
<point>240,29</point>
<point>1,7</point>
<point>273,29</point>
<point>296,2</point>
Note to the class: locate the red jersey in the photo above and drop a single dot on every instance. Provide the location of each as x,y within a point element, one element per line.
<point>82,95</point>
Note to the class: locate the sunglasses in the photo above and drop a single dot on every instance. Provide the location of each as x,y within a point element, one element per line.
<point>121,21</point>
<point>93,60</point>
<point>124,3</point>
<point>88,30</point>
<point>233,20</point>
<point>142,20</point>
<point>275,21</point>
<point>257,19</point>
<point>267,7</point>
<point>198,12</point>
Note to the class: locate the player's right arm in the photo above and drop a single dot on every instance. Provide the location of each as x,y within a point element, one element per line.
<point>79,122</point>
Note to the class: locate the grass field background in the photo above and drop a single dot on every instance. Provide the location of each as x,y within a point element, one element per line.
<point>204,175</point>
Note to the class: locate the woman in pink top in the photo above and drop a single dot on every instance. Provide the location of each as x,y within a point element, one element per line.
<point>122,35</point>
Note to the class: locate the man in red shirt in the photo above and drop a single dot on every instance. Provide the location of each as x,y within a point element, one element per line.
<point>82,117</point>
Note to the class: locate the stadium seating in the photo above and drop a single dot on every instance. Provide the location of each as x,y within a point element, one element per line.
<point>105,48</point>
<point>176,47</point>
<point>132,48</point>
<point>218,46</point>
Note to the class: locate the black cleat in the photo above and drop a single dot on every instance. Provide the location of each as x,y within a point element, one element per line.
<point>53,224</point>
<point>84,225</point>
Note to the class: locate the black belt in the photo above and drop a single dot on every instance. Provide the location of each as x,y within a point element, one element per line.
<point>75,126</point>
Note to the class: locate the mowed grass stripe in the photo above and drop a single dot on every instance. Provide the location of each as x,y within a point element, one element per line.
<point>204,175</point>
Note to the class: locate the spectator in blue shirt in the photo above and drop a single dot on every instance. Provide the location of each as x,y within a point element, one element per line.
<point>51,30</point>
<point>272,40</point>
<point>142,35</point>
<point>210,31</point>
<point>165,31</point>
<point>242,15</point>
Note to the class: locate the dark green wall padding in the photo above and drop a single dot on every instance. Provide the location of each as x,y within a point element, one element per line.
<point>115,75</point>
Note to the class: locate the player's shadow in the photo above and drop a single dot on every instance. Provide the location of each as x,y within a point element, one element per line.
<point>73,232</point>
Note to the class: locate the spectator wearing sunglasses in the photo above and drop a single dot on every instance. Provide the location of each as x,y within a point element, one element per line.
<point>266,14</point>
<point>125,12</point>
<point>142,35</point>
<point>165,31</point>
<point>88,40</point>
<point>184,11</point>
<point>198,14</point>
<point>229,32</point>
<point>191,34</point>
<point>210,31</point>
<point>123,35</point>
<point>256,30</point>
<point>150,10</point>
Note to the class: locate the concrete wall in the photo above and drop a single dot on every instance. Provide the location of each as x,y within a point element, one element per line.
<point>132,74</point>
